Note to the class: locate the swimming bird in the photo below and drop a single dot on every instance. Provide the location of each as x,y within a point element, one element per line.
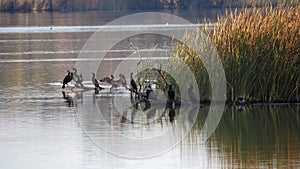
<point>133,83</point>
<point>95,82</point>
<point>171,93</point>
<point>68,78</point>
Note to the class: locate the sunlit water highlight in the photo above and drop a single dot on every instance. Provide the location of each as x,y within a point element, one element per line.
<point>113,28</point>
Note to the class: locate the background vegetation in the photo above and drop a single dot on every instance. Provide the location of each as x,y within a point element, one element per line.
<point>71,5</point>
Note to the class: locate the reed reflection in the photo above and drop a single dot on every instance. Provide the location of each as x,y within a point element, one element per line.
<point>253,137</point>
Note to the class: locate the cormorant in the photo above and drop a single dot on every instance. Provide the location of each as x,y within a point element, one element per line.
<point>148,91</point>
<point>133,83</point>
<point>80,80</point>
<point>123,80</point>
<point>171,93</point>
<point>106,80</point>
<point>68,78</point>
<point>114,83</point>
<point>77,78</point>
<point>95,81</point>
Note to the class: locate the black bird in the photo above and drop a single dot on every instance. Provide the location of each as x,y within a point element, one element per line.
<point>148,91</point>
<point>106,80</point>
<point>68,78</point>
<point>133,83</point>
<point>171,93</point>
<point>95,81</point>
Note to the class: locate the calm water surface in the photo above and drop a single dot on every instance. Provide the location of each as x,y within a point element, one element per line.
<point>40,129</point>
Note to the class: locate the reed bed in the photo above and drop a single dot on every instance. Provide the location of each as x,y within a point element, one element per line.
<point>260,52</point>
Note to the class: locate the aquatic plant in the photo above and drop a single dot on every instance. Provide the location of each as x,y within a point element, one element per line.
<point>259,49</point>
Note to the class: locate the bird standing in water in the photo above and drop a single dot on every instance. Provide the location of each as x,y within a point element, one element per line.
<point>80,80</point>
<point>77,78</point>
<point>95,82</point>
<point>133,83</point>
<point>106,80</point>
<point>68,78</point>
<point>123,80</point>
<point>148,91</point>
<point>114,83</point>
<point>171,93</point>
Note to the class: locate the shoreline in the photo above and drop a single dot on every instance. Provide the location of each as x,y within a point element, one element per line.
<point>69,6</point>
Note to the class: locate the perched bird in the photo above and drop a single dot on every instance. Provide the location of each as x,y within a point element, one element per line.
<point>106,80</point>
<point>95,81</point>
<point>68,78</point>
<point>80,80</point>
<point>77,78</point>
<point>114,83</point>
<point>171,93</point>
<point>148,91</point>
<point>75,75</point>
<point>123,80</point>
<point>133,83</point>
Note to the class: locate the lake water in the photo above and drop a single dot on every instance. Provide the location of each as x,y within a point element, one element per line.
<point>39,128</point>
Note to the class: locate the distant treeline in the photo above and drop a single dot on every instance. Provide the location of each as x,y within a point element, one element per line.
<point>73,5</point>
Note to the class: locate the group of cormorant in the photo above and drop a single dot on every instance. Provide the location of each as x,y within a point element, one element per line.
<point>72,76</point>
<point>78,79</point>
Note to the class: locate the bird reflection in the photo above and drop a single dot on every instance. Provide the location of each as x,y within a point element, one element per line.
<point>124,117</point>
<point>72,97</point>
<point>133,113</point>
<point>147,105</point>
<point>171,114</point>
<point>69,97</point>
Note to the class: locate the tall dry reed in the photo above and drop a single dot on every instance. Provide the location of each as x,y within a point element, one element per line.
<point>260,52</point>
